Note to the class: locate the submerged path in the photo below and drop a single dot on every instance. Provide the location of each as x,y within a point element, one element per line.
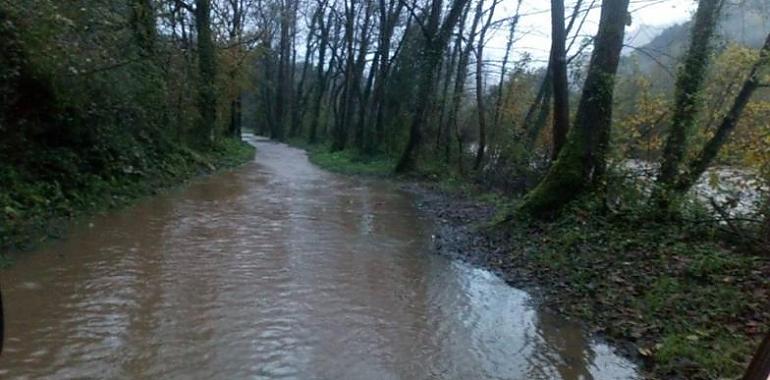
<point>277,270</point>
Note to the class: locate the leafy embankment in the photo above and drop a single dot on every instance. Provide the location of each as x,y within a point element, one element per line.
<point>678,296</point>
<point>57,183</point>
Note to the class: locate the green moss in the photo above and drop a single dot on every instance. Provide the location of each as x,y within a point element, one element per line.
<point>563,183</point>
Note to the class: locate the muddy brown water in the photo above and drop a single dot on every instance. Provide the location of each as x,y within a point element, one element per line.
<point>277,270</point>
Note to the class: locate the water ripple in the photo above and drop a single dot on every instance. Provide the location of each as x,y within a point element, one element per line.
<point>277,270</point>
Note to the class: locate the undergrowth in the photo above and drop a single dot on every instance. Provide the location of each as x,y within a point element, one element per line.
<point>693,305</point>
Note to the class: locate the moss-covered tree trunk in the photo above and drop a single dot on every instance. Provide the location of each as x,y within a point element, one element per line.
<point>207,66</point>
<point>581,161</point>
<point>689,83</point>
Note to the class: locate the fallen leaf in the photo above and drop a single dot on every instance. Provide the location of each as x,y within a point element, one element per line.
<point>645,351</point>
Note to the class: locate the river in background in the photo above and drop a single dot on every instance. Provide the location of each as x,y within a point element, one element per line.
<point>277,270</point>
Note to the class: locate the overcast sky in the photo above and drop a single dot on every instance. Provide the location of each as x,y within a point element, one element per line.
<point>533,32</point>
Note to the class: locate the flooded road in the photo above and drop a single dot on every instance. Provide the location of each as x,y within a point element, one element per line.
<point>276,270</point>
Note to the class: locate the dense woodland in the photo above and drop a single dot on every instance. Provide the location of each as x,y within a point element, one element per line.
<point>97,94</point>
<point>407,81</point>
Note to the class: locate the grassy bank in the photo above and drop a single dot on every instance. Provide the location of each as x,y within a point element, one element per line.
<point>346,161</point>
<point>679,297</point>
<point>692,305</point>
<point>39,195</point>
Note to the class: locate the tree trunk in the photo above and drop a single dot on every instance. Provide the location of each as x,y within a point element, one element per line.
<point>298,111</point>
<point>459,83</point>
<point>481,107</point>
<point>443,131</point>
<point>425,90</point>
<point>539,108</point>
<point>358,74</point>
<point>348,96</point>
<point>207,65</point>
<point>759,368</point>
<point>143,26</point>
<point>321,77</point>
<point>582,159</point>
<point>538,111</point>
<point>501,94</point>
<point>283,87</point>
<point>436,39</point>
<point>559,77</point>
<point>236,117</point>
<point>688,86</point>
<point>387,26</point>
<point>291,95</point>
<point>451,118</point>
<point>2,315</point>
<point>366,105</point>
<point>236,32</point>
<point>728,124</point>
<point>333,103</point>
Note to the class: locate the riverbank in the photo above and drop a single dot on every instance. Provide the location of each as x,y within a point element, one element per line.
<point>677,298</point>
<point>37,205</point>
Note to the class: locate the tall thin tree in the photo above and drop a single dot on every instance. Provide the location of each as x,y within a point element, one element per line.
<point>688,86</point>
<point>558,68</point>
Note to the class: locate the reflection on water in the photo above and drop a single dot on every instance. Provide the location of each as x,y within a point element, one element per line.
<point>277,270</point>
